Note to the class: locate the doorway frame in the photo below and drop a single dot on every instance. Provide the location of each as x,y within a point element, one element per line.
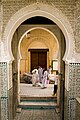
<point>40,9</point>
<point>39,50</point>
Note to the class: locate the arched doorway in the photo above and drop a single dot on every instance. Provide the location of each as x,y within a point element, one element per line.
<point>41,39</point>
<point>41,10</point>
<point>34,29</point>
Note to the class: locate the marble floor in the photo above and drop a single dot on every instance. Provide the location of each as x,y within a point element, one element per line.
<point>30,91</point>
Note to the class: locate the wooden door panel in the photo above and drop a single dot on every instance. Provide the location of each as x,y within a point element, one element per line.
<point>42,59</point>
<point>34,60</point>
<point>38,58</point>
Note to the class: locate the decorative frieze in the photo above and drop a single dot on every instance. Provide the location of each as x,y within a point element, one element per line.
<point>77,25</point>
<point>10,7</point>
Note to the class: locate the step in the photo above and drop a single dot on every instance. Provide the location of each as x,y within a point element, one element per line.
<point>24,98</point>
<point>38,105</point>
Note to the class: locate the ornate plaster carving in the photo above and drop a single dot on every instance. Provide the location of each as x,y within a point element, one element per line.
<point>44,10</point>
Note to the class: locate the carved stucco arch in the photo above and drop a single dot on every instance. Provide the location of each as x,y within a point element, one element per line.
<point>34,28</point>
<point>44,10</point>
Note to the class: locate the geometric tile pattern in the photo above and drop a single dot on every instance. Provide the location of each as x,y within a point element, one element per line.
<point>4,90</point>
<point>74,80</point>
<point>3,79</point>
<point>74,88</point>
<point>78,109</point>
<point>37,115</point>
<point>4,108</point>
<point>72,109</point>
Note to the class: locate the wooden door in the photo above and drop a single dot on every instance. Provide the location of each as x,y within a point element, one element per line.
<point>34,60</point>
<point>42,59</point>
<point>38,58</point>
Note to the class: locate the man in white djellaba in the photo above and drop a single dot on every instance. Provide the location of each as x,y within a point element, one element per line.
<point>45,75</point>
<point>40,71</point>
<point>35,78</point>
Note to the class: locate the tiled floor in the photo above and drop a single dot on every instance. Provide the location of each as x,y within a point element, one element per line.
<point>38,115</point>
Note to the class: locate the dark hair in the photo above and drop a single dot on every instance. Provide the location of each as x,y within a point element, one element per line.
<point>44,69</point>
<point>57,72</point>
<point>49,65</point>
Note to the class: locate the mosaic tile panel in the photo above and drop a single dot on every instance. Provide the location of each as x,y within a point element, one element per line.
<point>74,89</point>
<point>4,108</point>
<point>78,109</point>
<point>3,79</point>
<point>4,90</point>
<point>74,80</point>
<point>72,108</point>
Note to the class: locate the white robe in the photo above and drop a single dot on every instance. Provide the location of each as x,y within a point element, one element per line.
<point>35,79</point>
<point>44,79</point>
<point>40,71</point>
